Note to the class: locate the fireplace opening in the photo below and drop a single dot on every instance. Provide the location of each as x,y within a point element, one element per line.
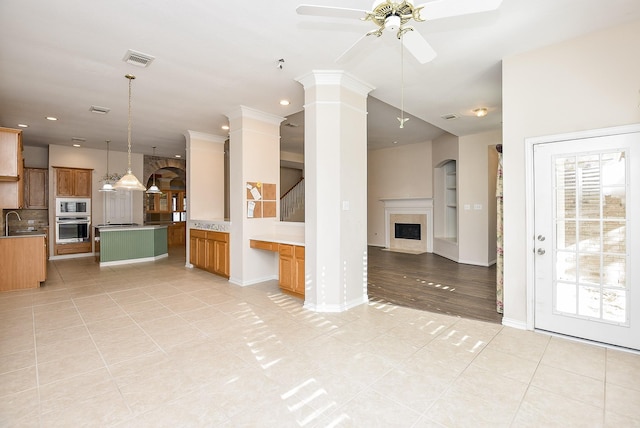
<point>407,231</point>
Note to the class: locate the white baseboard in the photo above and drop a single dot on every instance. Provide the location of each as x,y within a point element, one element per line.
<point>520,325</point>
<point>336,308</point>
<point>241,283</point>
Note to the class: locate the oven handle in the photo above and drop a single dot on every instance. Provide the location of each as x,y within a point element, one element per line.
<point>67,221</point>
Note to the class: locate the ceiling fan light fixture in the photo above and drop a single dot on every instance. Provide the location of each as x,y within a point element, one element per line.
<point>392,23</point>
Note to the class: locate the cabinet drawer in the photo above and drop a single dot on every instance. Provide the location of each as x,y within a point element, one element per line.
<point>286,250</point>
<point>218,236</point>
<point>263,245</point>
<point>198,234</point>
<point>299,252</point>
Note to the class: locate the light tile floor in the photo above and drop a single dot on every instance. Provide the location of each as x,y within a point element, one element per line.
<point>160,345</point>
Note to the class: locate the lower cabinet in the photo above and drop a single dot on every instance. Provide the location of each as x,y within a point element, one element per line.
<point>176,234</point>
<point>291,268</point>
<point>210,251</point>
<point>290,264</point>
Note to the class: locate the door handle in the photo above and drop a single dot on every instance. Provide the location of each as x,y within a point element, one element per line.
<point>541,251</point>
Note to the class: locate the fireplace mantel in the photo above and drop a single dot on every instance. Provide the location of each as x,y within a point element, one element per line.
<point>408,206</point>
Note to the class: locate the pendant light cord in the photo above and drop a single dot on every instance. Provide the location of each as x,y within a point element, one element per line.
<point>130,77</point>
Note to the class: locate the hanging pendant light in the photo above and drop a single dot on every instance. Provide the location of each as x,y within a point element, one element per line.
<point>129,181</point>
<point>107,186</point>
<point>154,189</point>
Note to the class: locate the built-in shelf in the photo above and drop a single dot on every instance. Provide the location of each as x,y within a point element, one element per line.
<point>451,201</point>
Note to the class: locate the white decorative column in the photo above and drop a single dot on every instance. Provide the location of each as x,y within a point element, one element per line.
<point>254,156</point>
<point>335,190</point>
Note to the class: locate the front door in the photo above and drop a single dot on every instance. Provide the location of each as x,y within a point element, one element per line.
<point>587,238</point>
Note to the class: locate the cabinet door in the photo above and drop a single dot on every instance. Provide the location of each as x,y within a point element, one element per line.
<point>64,182</point>
<point>299,284</point>
<point>193,250</point>
<point>221,258</point>
<point>286,268</point>
<point>82,183</point>
<point>35,188</point>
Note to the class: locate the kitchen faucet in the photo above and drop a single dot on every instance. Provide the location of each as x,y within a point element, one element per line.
<point>6,221</point>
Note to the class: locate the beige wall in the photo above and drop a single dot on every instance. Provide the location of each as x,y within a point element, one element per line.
<point>586,83</point>
<point>397,172</point>
<point>476,244</point>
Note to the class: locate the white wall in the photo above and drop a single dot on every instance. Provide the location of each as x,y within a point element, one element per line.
<point>205,176</point>
<point>585,83</point>
<point>396,172</point>
<point>474,232</point>
<point>35,157</point>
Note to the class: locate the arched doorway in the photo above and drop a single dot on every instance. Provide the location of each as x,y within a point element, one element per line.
<point>169,206</point>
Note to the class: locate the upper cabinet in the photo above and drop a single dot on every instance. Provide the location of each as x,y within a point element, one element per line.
<point>11,168</point>
<point>73,182</point>
<point>36,189</point>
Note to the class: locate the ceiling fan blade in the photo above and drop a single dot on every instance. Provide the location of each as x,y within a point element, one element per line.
<point>418,47</point>
<point>333,12</point>
<point>446,8</point>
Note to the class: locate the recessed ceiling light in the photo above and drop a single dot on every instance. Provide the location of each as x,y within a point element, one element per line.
<point>51,118</point>
<point>22,125</point>
<point>481,112</point>
<point>225,127</point>
<point>76,145</point>
<point>284,102</point>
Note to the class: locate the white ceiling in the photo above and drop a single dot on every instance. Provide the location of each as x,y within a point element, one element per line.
<point>57,58</point>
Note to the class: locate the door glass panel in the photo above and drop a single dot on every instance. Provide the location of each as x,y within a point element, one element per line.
<point>566,266</point>
<point>614,306</point>
<point>590,236</point>
<point>566,298</point>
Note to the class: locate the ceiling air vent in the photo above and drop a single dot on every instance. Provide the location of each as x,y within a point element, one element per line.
<point>449,116</point>
<point>137,58</point>
<point>99,110</point>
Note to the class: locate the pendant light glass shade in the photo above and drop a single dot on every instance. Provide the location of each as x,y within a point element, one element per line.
<point>107,186</point>
<point>129,181</point>
<point>153,188</point>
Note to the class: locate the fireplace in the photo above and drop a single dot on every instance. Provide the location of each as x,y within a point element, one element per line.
<point>409,224</point>
<point>407,231</point>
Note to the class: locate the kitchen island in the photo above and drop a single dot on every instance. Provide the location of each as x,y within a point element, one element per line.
<point>124,244</point>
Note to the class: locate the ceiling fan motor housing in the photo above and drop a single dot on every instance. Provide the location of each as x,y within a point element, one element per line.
<point>392,15</point>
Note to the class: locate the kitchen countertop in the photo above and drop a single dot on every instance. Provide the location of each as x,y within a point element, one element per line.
<point>112,228</point>
<point>25,235</point>
<point>280,239</point>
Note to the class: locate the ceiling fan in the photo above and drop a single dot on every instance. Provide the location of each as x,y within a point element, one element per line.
<point>394,16</point>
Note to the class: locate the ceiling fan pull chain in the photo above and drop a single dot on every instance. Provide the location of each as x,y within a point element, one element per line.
<point>401,118</point>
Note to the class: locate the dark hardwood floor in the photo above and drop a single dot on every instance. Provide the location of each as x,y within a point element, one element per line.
<point>433,283</point>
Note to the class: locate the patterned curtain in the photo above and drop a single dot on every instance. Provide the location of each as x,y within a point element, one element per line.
<point>499,238</point>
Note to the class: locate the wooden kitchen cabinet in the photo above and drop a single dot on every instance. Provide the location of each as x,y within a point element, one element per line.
<point>209,251</point>
<point>176,234</point>
<point>291,268</point>
<point>11,169</point>
<point>74,182</point>
<point>36,188</point>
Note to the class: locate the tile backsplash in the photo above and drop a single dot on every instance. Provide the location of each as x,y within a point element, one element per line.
<point>29,220</point>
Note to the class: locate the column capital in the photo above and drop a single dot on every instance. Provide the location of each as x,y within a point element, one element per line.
<point>335,78</point>
<point>244,111</point>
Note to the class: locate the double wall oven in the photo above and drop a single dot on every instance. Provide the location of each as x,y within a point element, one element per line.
<point>73,220</point>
